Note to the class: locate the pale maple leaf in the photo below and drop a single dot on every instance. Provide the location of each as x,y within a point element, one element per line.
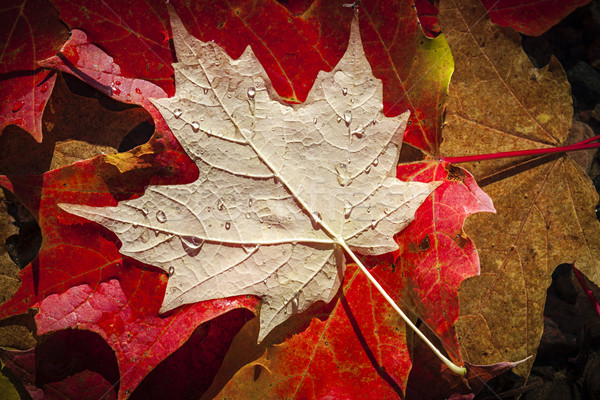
<point>283,191</point>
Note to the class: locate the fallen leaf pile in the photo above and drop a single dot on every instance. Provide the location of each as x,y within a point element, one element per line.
<point>202,182</point>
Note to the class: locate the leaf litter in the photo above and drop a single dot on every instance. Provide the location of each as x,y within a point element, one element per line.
<point>283,190</point>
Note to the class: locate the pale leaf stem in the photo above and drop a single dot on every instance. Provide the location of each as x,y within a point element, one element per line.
<point>453,367</point>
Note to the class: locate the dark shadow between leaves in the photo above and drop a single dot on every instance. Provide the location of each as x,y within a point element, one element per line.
<point>188,372</point>
<point>363,342</point>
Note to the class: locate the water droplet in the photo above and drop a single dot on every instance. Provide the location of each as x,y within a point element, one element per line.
<point>316,220</point>
<point>358,134</point>
<point>339,118</point>
<point>368,169</point>
<point>195,126</point>
<point>375,162</point>
<point>44,88</point>
<point>138,91</point>
<point>18,105</point>
<point>347,209</point>
<point>347,116</point>
<point>145,236</point>
<point>250,201</point>
<point>117,82</point>
<point>265,281</point>
<point>247,215</point>
<point>177,113</point>
<point>373,223</point>
<point>115,90</point>
<point>205,90</point>
<point>269,226</point>
<point>192,242</point>
<point>220,205</point>
<point>251,93</point>
<point>227,225</point>
<point>387,211</point>
<point>160,216</point>
<point>344,91</point>
<point>315,121</point>
<point>171,271</point>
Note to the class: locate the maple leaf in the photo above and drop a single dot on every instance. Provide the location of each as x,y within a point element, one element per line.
<point>495,96</point>
<point>359,337</point>
<point>32,31</point>
<point>531,17</point>
<point>282,191</point>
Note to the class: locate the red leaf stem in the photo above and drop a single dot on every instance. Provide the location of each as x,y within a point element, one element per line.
<point>583,145</point>
<point>586,289</point>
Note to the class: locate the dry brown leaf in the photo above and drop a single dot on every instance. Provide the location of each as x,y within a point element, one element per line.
<point>545,206</point>
<point>282,189</point>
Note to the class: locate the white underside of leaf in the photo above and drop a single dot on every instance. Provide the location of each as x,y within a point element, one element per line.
<point>281,187</point>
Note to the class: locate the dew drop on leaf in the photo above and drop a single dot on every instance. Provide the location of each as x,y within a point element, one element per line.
<point>251,93</point>
<point>145,236</point>
<point>227,225</point>
<point>315,121</point>
<point>44,88</point>
<point>368,169</point>
<point>347,209</point>
<point>339,118</point>
<point>347,116</point>
<point>138,91</point>
<point>195,126</point>
<point>205,90</point>
<point>220,205</point>
<point>316,220</point>
<point>160,216</point>
<point>18,105</point>
<point>192,242</point>
<point>171,271</point>
<point>373,223</point>
<point>375,162</point>
<point>177,113</point>
<point>344,91</point>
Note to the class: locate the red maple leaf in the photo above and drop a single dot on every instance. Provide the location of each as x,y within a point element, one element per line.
<point>79,280</point>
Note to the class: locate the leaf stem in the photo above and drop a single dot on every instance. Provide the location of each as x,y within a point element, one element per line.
<point>453,367</point>
<point>583,145</point>
<point>586,289</point>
